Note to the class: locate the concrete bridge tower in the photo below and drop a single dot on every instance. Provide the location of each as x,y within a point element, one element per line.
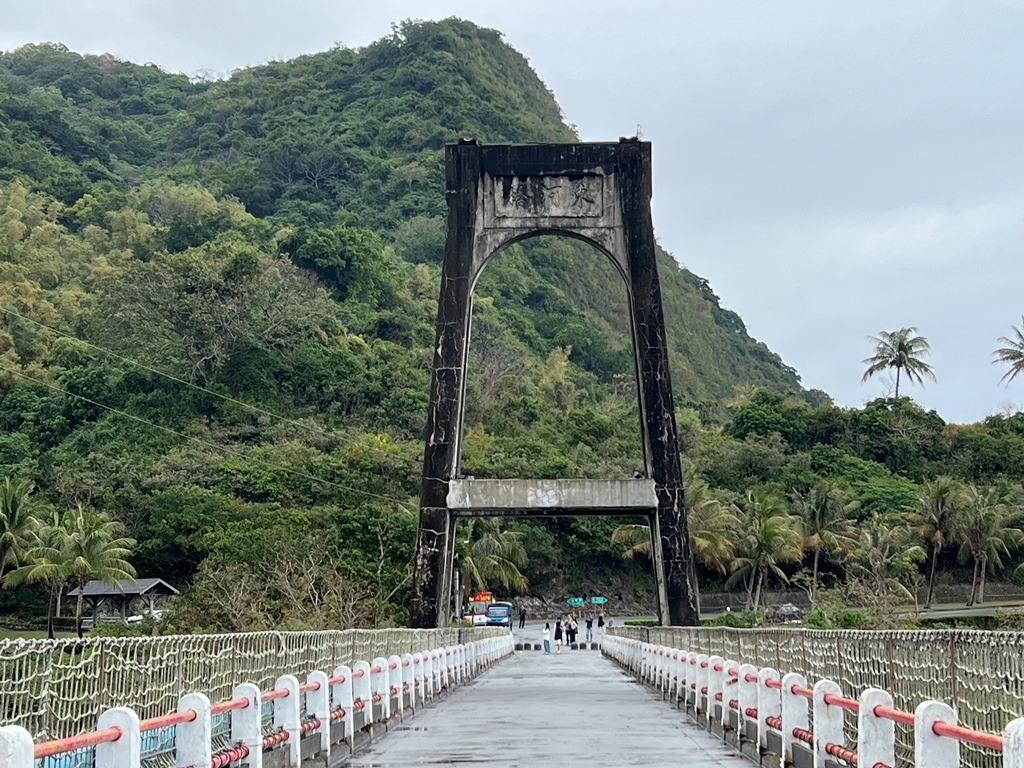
<point>499,195</point>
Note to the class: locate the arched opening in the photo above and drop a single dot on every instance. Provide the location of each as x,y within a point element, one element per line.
<point>551,392</point>
<point>600,193</point>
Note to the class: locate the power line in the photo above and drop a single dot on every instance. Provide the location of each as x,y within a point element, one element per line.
<point>208,444</point>
<point>254,408</point>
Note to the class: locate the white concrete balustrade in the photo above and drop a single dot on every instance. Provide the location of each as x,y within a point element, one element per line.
<point>351,698</point>
<point>729,695</point>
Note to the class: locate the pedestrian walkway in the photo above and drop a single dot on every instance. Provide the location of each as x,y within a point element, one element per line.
<point>536,709</point>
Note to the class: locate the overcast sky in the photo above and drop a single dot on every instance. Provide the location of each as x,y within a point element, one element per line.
<point>833,169</point>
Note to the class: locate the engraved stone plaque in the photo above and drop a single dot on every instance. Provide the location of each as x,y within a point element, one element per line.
<point>572,196</point>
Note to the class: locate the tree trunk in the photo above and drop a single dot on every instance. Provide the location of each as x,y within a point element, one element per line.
<point>51,630</point>
<point>931,577</point>
<point>974,584</point>
<point>981,579</point>
<point>897,381</point>
<point>78,608</point>
<point>757,592</point>
<point>694,588</point>
<point>814,575</point>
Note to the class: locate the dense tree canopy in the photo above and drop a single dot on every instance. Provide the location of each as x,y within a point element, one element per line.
<point>216,324</point>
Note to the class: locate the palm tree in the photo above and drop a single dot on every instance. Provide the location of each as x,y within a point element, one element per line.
<point>824,514</point>
<point>18,522</point>
<point>939,500</point>
<point>76,548</point>
<point>711,527</point>
<point>768,537</point>
<point>44,563</point>
<point>1012,353</point>
<point>901,350</point>
<point>982,526</point>
<point>885,555</point>
<point>494,555</point>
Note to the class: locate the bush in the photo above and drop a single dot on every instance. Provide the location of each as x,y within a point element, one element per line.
<point>845,618</point>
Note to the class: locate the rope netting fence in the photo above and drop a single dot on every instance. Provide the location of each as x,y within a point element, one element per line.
<point>56,688</point>
<point>981,674</point>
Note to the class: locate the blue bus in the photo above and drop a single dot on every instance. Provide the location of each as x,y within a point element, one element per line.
<point>499,615</point>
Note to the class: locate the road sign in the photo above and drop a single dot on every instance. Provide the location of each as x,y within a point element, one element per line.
<point>575,601</point>
<point>599,600</point>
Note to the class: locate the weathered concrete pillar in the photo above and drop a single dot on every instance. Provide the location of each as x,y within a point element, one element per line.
<point>435,545</point>
<point>499,195</point>
<point>657,409</point>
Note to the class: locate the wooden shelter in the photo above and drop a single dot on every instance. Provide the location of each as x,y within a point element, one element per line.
<point>124,599</point>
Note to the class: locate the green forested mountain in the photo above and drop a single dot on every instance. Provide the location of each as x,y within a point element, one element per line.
<point>217,317</point>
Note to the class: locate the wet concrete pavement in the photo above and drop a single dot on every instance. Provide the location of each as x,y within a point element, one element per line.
<point>535,709</point>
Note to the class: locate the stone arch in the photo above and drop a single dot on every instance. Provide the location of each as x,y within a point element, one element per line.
<point>616,261</point>
<point>498,195</point>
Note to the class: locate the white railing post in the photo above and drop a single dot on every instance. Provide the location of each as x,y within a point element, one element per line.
<point>1013,744</point>
<point>247,724</point>
<point>408,679</point>
<point>747,697</point>
<point>677,673</point>
<point>769,703</point>
<point>794,712</point>
<point>715,678</point>
<point>930,749</point>
<point>318,705</point>
<point>442,668</point>
<point>193,740</point>
<point>703,689</point>
<point>361,689</point>
<point>428,673</point>
<point>288,715</point>
<point>395,677</point>
<point>379,693</point>
<point>341,696</point>
<point>126,752</point>
<point>16,747</point>
<point>876,736</point>
<point>729,687</point>
<point>828,721</point>
<point>417,676</point>
<point>692,693</point>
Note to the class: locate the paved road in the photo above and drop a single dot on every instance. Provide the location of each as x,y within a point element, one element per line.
<point>571,709</point>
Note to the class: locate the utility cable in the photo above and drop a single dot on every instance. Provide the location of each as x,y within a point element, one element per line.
<point>172,377</point>
<point>199,440</point>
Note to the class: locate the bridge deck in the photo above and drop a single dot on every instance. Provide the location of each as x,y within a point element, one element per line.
<point>535,709</point>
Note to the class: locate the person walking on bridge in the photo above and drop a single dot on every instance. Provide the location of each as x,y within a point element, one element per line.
<point>590,629</point>
<point>558,636</point>
<point>522,617</point>
<point>547,637</point>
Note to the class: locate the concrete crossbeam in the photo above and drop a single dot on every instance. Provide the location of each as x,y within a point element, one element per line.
<point>546,497</point>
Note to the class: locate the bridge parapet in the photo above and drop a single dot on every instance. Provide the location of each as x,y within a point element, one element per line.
<point>283,726</point>
<point>59,688</point>
<point>724,679</point>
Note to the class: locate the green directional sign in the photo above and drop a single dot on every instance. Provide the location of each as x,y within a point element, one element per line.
<point>599,600</point>
<point>575,601</point>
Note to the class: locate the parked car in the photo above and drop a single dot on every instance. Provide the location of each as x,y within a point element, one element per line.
<point>787,612</point>
<point>157,615</point>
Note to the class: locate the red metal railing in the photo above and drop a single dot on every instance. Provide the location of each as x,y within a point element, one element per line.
<point>47,748</point>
